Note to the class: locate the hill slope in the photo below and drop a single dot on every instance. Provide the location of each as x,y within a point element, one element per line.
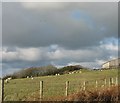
<point>22,89</point>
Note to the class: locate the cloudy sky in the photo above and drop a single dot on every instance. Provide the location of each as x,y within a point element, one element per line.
<point>38,34</point>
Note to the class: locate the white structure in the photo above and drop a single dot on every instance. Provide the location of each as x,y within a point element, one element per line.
<point>112,64</point>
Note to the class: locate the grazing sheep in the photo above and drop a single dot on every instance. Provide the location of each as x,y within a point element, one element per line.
<point>31,77</point>
<point>27,76</point>
<point>57,74</point>
<point>9,78</point>
<point>6,81</point>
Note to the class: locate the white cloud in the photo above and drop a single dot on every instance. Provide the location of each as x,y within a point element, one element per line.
<point>92,57</point>
<point>110,46</point>
<point>100,62</point>
<point>73,63</point>
<point>28,54</point>
<point>56,55</point>
<point>44,6</point>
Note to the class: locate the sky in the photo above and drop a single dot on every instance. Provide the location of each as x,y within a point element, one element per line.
<point>61,34</point>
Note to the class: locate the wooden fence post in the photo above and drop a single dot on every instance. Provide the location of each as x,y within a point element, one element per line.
<point>110,82</point>
<point>105,82</point>
<point>41,90</point>
<point>67,88</point>
<point>2,90</point>
<point>84,85</point>
<point>96,84</point>
<point>116,83</point>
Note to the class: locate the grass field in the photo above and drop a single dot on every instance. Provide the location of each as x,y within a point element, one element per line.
<point>0,90</point>
<point>54,86</point>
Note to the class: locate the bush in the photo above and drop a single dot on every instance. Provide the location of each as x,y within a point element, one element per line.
<point>108,95</point>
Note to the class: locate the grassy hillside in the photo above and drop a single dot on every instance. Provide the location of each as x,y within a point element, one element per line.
<point>0,90</point>
<point>54,86</point>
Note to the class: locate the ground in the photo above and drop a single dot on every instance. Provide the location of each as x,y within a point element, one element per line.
<point>53,86</point>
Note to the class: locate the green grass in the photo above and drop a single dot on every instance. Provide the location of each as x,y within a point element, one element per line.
<point>28,89</point>
<point>0,90</point>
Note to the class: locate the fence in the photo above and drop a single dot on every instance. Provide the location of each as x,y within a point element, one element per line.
<point>43,90</point>
<point>1,90</point>
<point>75,87</point>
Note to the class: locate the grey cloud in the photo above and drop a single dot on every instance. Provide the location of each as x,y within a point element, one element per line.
<point>39,34</point>
<point>40,26</point>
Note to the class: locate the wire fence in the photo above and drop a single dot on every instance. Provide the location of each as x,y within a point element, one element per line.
<point>43,90</point>
<point>66,88</point>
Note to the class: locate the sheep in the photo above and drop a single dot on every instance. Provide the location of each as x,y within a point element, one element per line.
<point>6,81</point>
<point>9,78</point>
<point>27,76</point>
<point>31,77</point>
<point>69,72</point>
<point>72,72</point>
<point>57,74</point>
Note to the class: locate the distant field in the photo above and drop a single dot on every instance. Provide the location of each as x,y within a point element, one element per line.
<point>28,89</point>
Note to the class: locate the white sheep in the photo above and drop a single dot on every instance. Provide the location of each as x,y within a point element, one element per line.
<point>9,78</point>
<point>72,72</point>
<point>6,81</point>
<point>27,76</point>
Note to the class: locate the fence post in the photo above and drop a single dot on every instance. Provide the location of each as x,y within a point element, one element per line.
<point>41,90</point>
<point>2,90</point>
<point>116,83</point>
<point>105,82</point>
<point>110,82</point>
<point>67,88</point>
<point>96,84</point>
<point>84,85</point>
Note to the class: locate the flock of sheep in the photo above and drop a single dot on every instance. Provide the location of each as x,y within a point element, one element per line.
<point>8,79</point>
<point>75,72</point>
<point>71,72</point>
